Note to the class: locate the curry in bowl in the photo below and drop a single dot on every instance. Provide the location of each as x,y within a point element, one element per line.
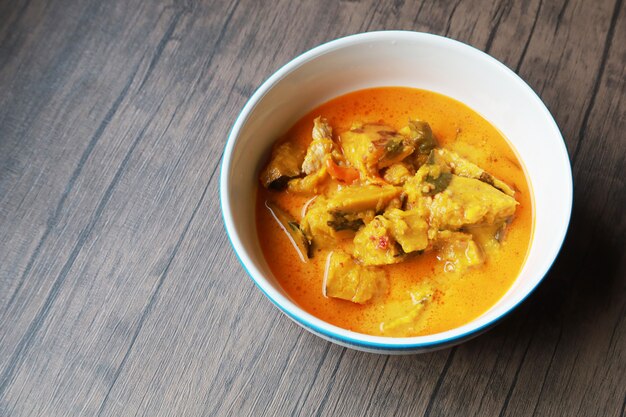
<point>394,212</point>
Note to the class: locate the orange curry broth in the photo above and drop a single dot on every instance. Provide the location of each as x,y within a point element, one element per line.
<point>461,297</point>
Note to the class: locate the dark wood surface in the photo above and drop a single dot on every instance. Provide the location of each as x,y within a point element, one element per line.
<point>119,292</point>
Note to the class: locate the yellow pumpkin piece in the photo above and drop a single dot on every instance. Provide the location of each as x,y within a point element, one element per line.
<point>363,197</point>
<point>373,146</point>
<point>467,201</point>
<point>374,244</point>
<point>315,224</point>
<point>396,202</point>
<point>347,280</point>
<point>430,179</point>
<point>324,225</point>
<point>408,228</point>
<point>398,173</point>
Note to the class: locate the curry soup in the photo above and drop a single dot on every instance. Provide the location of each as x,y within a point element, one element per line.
<point>394,211</point>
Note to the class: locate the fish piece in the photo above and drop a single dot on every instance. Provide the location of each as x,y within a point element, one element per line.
<point>285,163</point>
<point>458,251</point>
<point>464,168</point>
<point>409,323</point>
<point>320,148</point>
<point>347,280</point>
<point>467,201</point>
<point>488,237</point>
<point>310,184</point>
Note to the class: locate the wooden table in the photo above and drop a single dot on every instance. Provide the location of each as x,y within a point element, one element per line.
<point>119,292</point>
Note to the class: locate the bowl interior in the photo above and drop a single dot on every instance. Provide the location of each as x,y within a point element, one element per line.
<point>412,60</point>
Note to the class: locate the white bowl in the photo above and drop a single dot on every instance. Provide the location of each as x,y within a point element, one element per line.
<point>411,59</point>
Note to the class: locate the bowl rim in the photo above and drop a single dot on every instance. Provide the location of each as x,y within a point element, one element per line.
<point>330,331</point>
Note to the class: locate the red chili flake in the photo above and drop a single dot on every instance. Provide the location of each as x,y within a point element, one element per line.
<point>383,242</point>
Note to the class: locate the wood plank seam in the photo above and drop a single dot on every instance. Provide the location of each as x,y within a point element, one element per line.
<point>442,375</point>
<point>509,393</point>
<point>312,384</point>
<point>161,45</point>
<point>216,47</point>
<point>24,343</point>
<point>380,376</point>
<point>545,376</point>
<point>368,25</point>
<point>281,373</point>
<point>608,42</point>
<point>54,219</point>
<point>503,7</point>
<point>496,363</point>
<point>419,12</point>
<point>559,17</point>
<point>402,394</point>
<point>331,384</point>
<point>620,318</point>
<point>11,29</point>
<point>450,17</point>
<point>530,36</point>
<point>255,358</point>
<point>146,311</point>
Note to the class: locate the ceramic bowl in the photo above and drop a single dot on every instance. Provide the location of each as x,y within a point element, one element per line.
<point>410,59</point>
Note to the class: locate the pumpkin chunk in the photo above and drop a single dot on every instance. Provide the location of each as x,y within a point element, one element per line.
<point>347,280</point>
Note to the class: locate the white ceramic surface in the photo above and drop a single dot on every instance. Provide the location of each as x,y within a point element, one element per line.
<point>411,59</point>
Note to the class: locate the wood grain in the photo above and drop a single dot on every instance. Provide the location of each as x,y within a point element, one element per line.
<point>119,292</point>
